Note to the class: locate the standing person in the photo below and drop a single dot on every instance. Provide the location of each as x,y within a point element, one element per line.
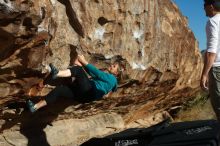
<point>83,87</point>
<point>210,79</point>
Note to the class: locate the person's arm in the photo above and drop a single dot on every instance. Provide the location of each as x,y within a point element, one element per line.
<point>89,72</point>
<point>208,62</point>
<point>212,32</point>
<point>90,69</point>
<point>82,60</point>
<point>95,72</point>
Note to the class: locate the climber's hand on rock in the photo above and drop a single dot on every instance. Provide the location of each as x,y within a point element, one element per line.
<point>82,60</point>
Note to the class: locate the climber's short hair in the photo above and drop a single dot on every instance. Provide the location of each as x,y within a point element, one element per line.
<point>215,3</point>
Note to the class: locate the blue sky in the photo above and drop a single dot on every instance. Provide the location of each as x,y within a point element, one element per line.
<point>193,10</point>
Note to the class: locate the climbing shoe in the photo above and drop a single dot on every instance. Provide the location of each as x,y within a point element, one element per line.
<point>30,105</point>
<point>54,71</point>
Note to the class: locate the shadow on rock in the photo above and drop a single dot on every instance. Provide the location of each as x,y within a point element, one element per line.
<point>73,20</point>
<point>32,125</point>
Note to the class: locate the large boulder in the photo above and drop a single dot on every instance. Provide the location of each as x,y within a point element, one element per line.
<point>151,38</point>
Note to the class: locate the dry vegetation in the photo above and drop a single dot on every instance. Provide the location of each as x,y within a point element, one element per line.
<point>199,109</point>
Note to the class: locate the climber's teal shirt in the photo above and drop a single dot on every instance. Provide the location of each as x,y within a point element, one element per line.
<point>103,82</point>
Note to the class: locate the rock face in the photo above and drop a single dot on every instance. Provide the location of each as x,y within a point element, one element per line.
<point>150,38</point>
